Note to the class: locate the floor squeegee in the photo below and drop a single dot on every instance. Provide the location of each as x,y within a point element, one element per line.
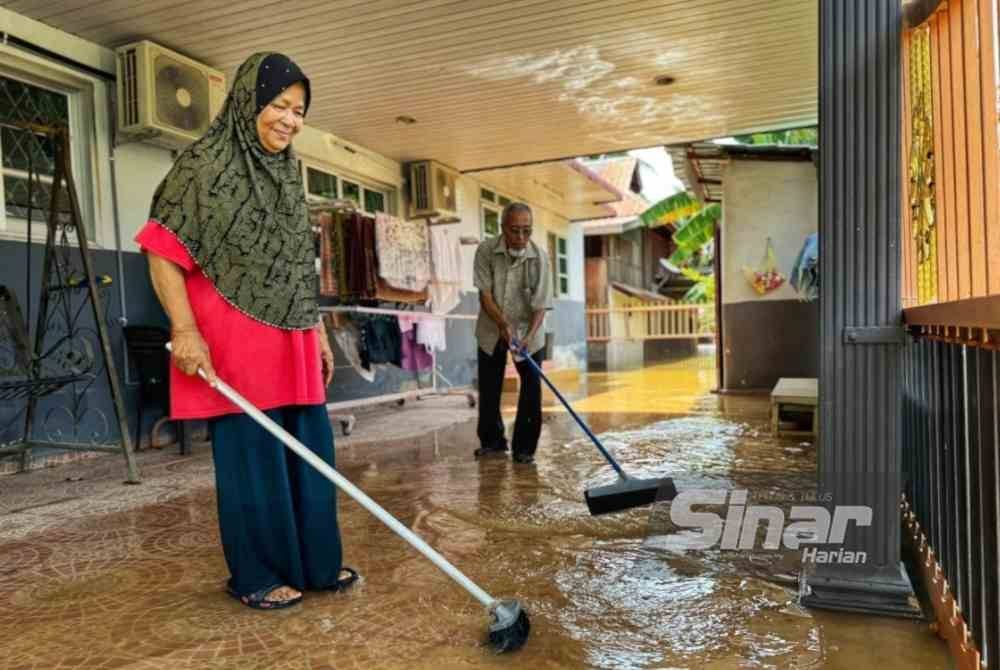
<point>628,491</point>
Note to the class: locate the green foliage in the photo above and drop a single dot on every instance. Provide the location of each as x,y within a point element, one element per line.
<point>695,233</point>
<point>703,289</point>
<point>674,209</point>
<point>797,136</point>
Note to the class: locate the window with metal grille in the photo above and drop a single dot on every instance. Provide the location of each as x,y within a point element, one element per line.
<point>24,151</point>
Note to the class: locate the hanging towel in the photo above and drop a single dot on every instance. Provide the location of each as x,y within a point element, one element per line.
<point>446,270</point>
<point>403,252</point>
<point>431,333</point>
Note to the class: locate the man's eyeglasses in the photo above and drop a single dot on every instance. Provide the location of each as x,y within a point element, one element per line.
<point>519,232</point>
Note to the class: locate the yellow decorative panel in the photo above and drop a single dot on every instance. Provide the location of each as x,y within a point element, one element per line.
<point>921,165</point>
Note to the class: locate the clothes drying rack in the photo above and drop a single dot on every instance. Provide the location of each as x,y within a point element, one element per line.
<point>347,421</point>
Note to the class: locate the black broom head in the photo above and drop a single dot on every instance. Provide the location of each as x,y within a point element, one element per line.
<point>510,626</point>
<point>628,493</point>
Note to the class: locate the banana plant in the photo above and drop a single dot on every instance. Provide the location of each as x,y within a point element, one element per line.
<point>694,223</point>
<point>703,288</point>
<point>674,209</point>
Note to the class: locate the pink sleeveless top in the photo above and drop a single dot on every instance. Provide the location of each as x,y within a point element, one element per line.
<point>268,366</point>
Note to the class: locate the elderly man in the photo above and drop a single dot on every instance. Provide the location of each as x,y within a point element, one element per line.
<point>515,290</point>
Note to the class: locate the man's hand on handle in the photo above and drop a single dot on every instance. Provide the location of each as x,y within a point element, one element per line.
<point>506,334</point>
<point>518,348</point>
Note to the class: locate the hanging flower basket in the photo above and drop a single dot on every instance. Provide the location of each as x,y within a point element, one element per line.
<point>765,277</point>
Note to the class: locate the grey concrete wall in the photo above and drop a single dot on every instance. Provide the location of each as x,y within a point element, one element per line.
<point>568,325</point>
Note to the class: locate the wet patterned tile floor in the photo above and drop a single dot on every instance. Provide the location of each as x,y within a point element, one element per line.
<point>94,574</point>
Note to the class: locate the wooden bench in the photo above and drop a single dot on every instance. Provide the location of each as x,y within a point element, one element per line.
<point>795,394</point>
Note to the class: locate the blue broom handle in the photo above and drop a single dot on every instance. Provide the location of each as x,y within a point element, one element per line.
<point>517,348</point>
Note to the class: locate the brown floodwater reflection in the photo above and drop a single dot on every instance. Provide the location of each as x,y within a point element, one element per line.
<point>141,589</point>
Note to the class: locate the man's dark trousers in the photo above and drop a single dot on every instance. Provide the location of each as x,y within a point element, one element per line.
<point>528,424</point>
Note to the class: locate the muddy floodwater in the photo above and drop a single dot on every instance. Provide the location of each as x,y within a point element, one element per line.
<point>140,587</point>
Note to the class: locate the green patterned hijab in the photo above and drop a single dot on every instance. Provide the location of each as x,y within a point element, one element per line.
<point>241,211</point>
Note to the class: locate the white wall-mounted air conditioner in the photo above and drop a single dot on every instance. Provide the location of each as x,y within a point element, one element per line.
<point>165,98</point>
<point>433,190</point>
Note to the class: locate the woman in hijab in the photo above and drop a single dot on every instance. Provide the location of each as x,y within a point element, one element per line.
<point>232,261</point>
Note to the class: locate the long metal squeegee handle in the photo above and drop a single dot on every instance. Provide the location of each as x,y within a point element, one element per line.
<point>524,353</point>
<point>350,489</point>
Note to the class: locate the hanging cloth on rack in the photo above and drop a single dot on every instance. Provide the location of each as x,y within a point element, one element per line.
<point>431,333</point>
<point>445,287</point>
<point>340,250</point>
<point>348,338</point>
<point>331,245</point>
<point>408,321</point>
<point>416,358</point>
<point>386,293</point>
<point>359,257</point>
<point>331,222</point>
<point>403,252</point>
<point>381,340</point>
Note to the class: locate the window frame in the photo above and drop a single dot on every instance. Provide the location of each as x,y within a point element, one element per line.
<point>387,192</point>
<point>485,207</point>
<point>491,200</point>
<point>89,127</point>
<point>556,255</point>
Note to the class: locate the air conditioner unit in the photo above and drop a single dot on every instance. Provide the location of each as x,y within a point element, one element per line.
<point>432,190</point>
<point>165,98</point>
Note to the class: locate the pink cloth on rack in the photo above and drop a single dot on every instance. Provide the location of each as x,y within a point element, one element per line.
<point>407,322</point>
<point>269,366</point>
<point>416,358</point>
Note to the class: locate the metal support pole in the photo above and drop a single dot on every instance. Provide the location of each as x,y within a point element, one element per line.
<point>861,370</point>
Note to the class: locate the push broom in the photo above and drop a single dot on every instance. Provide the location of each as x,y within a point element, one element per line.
<point>509,625</point>
<point>628,491</point>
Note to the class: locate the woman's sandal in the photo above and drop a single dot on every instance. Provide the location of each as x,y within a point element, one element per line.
<point>344,583</point>
<point>258,600</point>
